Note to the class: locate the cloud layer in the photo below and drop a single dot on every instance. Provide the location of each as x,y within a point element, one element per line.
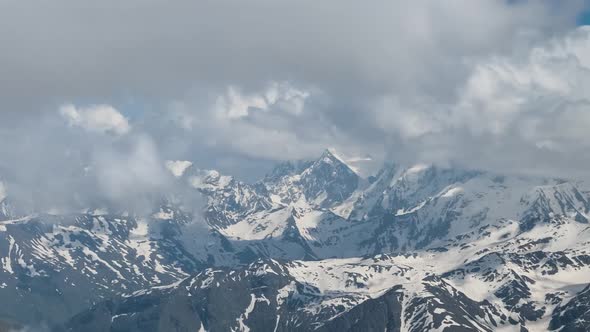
<point>94,98</point>
<point>96,118</point>
<point>521,112</point>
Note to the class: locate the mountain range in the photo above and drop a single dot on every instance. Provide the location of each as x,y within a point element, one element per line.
<point>314,245</point>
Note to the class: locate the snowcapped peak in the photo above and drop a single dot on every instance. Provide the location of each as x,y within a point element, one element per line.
<point>558,199</point>
<point>329,180</point>
<point>331,151</point>
<point>362,164</point>
<point>177,167</point>
<point>330,156</point>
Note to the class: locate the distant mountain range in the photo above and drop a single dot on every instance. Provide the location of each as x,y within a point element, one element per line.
<point>312,246</point>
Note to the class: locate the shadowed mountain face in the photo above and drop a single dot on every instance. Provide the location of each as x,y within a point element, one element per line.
<point>312,246</point>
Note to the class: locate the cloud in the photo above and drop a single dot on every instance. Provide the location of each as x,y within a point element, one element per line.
<point>96,118</point>
<point>273,123</point>
<point>521,112</point>
<point>236,86</point>
<point>281,96</point>
<point>2,191</point>
<point>177,167</point>
<point>154,51</point>
<point>542,97</point>
<point>133,171</point>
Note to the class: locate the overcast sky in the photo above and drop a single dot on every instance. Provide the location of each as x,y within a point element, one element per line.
<point>118,87</point>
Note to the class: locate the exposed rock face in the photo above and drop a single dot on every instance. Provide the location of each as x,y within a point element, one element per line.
<point>573,315</point>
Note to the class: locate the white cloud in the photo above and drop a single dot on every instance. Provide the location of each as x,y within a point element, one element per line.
<point>528,112</point>
<point>271,123</point>
<point>2,191</point>
<point>532,107</point>
<point>276,96</point>
<point>126,174</point>
<point>96,118</point>
<point>407,121</point>
<point>543,97</point>
<point>236,105</point>
<point>177,167</point>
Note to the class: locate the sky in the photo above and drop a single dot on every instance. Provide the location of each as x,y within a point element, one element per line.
<point>95,97</point>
